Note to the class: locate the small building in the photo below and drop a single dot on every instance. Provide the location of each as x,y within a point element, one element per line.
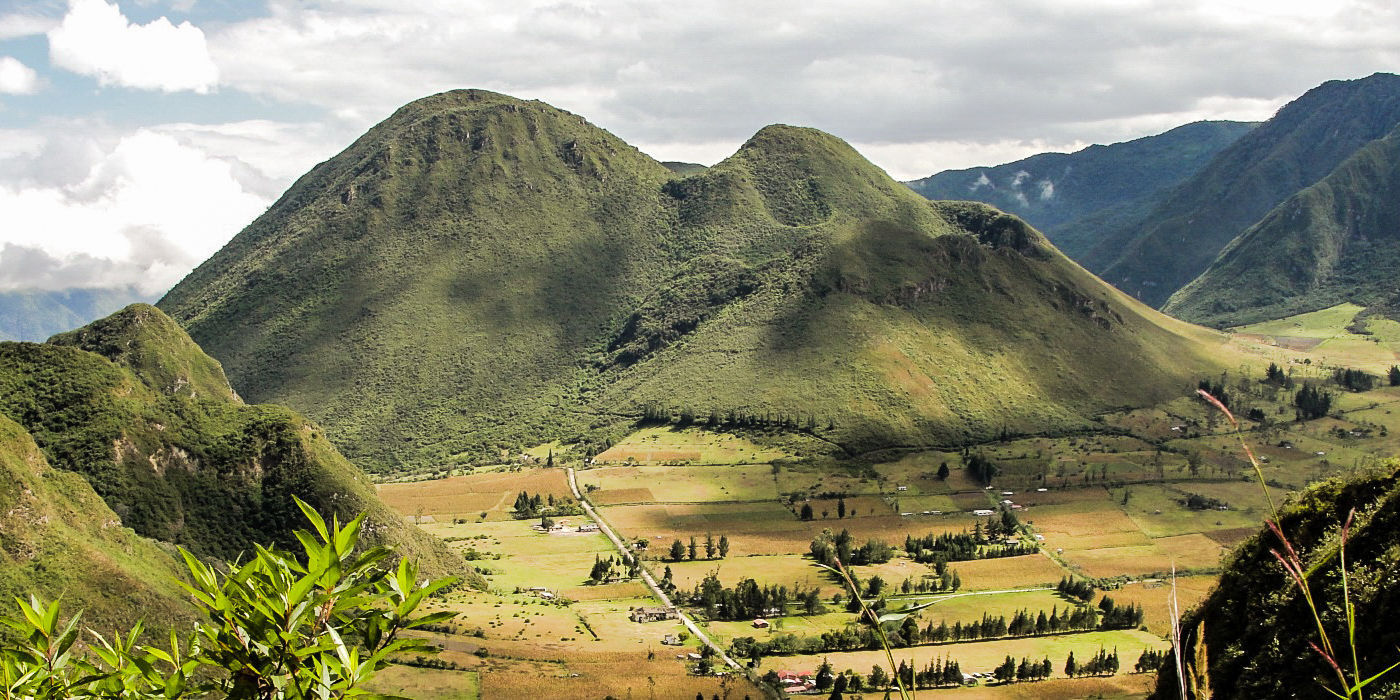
<point>693,656</point>
<point>983,511</point>
<point>671,640</point>
<point>760,624</point>
<point>901,488</point>
<point>647,614</point>
<point>588,527</point>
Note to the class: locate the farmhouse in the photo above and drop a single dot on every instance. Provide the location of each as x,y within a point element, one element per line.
<point>760,623</point>
<point>645,614</point>
<point>588,527</point>
<point>983,511</point>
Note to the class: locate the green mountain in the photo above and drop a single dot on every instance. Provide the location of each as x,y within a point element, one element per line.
<point>59,540</point>
<point>1076,198</point>
<point>1337,240</point>
<point>1251,637</point>
<point>133,405</point>
<point>480,273</point>
<point>34,315</point>
<point>1304,142</point>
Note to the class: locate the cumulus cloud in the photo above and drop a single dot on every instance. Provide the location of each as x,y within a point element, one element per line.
<point>145,212</point>
<point>96,39</point>
<point>17,78</point>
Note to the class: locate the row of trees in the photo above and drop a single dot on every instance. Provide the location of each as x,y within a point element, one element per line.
<point>745,601</point>
<point>656,413</point>
<point>1009,671</point>
<point>1022,624</point>
<point>948,580</point>
<point>939,549</point>
<point>1101,664</point>
<point>712,546</point>
<point>607,569</point>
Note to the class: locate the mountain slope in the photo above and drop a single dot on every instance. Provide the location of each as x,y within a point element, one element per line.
<point>59,540</point>
<point>1250,638</point>
<point>1074,198</point>
<point>479,273</point>
<point>33,315</point>
<point>1338,240</point>
<point>1303,143</point>
<point>153,426</point>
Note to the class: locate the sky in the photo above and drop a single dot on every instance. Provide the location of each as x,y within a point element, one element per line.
<point>138,136</point>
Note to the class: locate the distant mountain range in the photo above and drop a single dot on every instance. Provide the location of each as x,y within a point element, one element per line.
<point>479,273</point>
<point>1078,198</point>
<point>1295,214</point>
<point>33,315</point>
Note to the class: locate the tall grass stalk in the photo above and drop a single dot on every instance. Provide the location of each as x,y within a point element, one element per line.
<point>879,629</point>
<point>1351,687</point>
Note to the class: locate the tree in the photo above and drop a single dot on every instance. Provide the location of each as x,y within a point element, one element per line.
<point>677,551</point>
<point>841,507</point>
<point>825,677</point>
<point>691,550</point>
<point>723,546</point>
<point>1394,375</point>
<point>546,522</point>
<point>878,678</point>
<point>1071,668</point>
<point>279,625</point>
<point>943,471</point>
<point>709,546</point>
<point>806,511</point>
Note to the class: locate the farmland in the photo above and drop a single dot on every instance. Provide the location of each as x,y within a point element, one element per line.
<point>1154,491</point>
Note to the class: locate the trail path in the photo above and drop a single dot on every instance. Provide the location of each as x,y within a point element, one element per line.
<point>647,577</point>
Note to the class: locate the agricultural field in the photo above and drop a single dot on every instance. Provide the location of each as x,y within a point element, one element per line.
<point>1162,489</point>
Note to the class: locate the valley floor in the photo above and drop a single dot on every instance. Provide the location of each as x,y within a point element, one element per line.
<point>1157,492</point>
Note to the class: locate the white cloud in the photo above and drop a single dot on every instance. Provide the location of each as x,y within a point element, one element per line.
<point>96,39</point>
<point>17,78</point>
<point>14,26</point>
<point>146,211</point>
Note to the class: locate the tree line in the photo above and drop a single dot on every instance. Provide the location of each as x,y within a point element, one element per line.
<point>828,549</point>
<point>528,505</point>
<point>679,551</point>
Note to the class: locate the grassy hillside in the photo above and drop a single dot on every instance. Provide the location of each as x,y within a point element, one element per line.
<point>1338,240</point>
<point>60,541</point>
<point>1074,198</point>
<point>1250,638</point>
<point>1308,138</point>
<point>479,274</point>
<point>172,452</point>
<point>34,315</point>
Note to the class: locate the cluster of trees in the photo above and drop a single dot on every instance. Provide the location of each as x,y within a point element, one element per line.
<point>1195,501</point>
<point>828,549</point>
<point>606,569</point>
<point>1119,616</point>
<point>529,505</point>
<point>656,413</point>
<point>1101,664</point>
<point>1071,587</point>
<point>1354,379</point>
<point>979,468</point>
<point>1009,671</point>
<point>1312,402</point>
<point>945,547</point>
<point>807,513</point>
<point>848,638</point>
<point>680,551</point>
<point>1276,376</point>
<point>1217,389</point>
<point>1150,661</point>
<point>746,600</point>
<point>939,673</point>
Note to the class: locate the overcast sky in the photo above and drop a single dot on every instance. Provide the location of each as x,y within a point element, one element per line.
<point>137,136</point>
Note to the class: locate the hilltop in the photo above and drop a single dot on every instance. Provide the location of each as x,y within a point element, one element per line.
<point>1076,198</point>
<point>132,405</point>
<point>479,274</point>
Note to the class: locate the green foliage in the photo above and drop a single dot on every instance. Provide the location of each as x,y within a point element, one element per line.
<point>1312,401</point>
<point>318,625</point>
